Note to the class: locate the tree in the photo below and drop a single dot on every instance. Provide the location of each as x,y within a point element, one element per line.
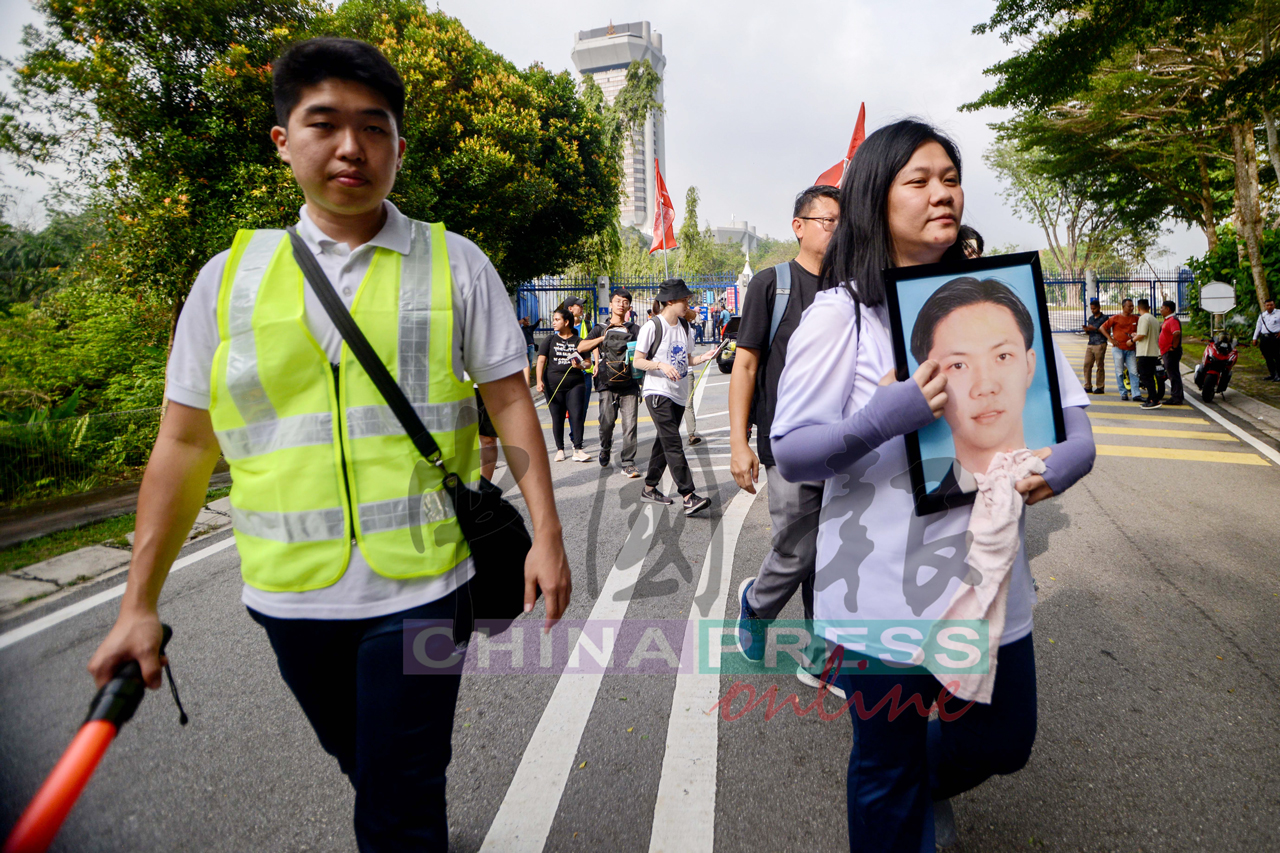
<point>1078,230</point>
<point>1210,61</point>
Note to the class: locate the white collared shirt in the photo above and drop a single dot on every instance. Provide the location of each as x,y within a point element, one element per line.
<point>1268,322</point>
<point>488,345</point>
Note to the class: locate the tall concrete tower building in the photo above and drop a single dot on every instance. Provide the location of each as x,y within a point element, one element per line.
<point>605,53</point>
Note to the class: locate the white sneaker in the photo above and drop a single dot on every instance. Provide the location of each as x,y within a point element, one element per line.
<point>808,679</point>
<point>559,455</point>
<point>580,455</point>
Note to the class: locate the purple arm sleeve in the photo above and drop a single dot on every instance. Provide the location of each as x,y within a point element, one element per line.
<point>820,451</point>
<point>1073,458</point>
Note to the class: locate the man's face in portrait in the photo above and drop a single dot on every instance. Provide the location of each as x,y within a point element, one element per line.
<point>989,368</point>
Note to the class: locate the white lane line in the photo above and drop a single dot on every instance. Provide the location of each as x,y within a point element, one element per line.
<point>8,638</point>
<point>684,816</point>
<point>714,384</point>
<point>713,415</point>
<point>524,819</point>
<point>1235,430</point>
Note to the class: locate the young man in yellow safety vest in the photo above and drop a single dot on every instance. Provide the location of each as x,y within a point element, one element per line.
<point>319,464</point>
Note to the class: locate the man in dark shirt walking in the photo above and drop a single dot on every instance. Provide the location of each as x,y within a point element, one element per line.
<point>618,388</point>
<point>763,332</point>
<point>1096,351</point>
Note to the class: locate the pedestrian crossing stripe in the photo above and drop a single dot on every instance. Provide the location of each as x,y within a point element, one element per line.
<point>1180,455</point>
<point>1164,419</point>
<point>1165,433</point>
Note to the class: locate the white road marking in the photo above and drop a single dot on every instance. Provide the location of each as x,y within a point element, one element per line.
<point>529,807</point>
<point>524,819</point>
<point>8,638</point>
<point>714,384</point>
<point>1235,430</point>
<point>684,816</point>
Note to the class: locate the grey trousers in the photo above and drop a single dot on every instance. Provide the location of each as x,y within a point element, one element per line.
<point>794,509</point>
<point>611,404</point>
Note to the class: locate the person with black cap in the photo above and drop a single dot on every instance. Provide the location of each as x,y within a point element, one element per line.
<point>1096,351</point>
<point>664,352</point>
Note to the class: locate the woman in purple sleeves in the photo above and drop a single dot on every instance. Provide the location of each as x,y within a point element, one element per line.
<point>841,417</point>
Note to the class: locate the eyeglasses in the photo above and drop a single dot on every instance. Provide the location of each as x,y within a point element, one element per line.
<point>828,223</point>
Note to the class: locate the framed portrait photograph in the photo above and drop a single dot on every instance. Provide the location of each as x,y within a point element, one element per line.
<point>986,322</point>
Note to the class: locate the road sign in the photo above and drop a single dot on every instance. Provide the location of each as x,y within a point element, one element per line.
<point>1217,297</point>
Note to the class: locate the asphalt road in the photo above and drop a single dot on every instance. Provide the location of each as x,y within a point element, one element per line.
<point>1156,637</point>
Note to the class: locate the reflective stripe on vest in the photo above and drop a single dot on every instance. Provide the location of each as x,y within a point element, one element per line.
<point>274,407</point>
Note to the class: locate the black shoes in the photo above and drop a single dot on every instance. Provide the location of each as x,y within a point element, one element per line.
<point>604,457</point>
<point>694,504</point>
<point>652,495</point>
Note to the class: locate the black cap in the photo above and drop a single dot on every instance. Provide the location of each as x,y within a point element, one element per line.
<point>673,289</point>
<point>574,300</point>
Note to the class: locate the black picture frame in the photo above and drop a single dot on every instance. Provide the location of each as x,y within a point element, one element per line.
<point>899,282</point>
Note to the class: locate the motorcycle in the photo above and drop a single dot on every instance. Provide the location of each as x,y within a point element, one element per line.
<point>1213,373</point>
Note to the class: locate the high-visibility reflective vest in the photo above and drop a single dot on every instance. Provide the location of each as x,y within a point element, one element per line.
<point>302,492</point>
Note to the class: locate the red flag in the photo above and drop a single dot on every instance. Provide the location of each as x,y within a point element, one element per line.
<point>664,217</point>
<point>833,176</point>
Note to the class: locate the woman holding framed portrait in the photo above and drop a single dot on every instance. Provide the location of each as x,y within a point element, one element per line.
<point>883,559</point>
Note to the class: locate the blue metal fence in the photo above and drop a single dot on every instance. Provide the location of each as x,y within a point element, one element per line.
<point>539,298</point>
<point>1069,298</point>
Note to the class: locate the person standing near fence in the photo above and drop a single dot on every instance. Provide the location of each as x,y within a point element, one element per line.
<point>1096,352</point>
<point>1171,350</point>
<point>333,563</point>
<point>1119,330</point>
<point>561,380</point>
<point>1266,336</point>
<point>664,352</point>
<point>1147,350</point>
<point>776,298</point>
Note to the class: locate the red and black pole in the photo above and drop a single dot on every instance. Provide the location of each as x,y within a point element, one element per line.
<point>110,709</point>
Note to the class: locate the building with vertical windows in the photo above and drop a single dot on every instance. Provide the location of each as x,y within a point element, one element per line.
<point>605,53</point>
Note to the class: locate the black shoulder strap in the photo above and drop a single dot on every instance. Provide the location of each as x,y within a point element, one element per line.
<point>657,337</point>
<point>360,348</point>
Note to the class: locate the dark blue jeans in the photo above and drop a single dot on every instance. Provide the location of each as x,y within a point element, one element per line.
<point>390,732</point>
<point>898,768</point>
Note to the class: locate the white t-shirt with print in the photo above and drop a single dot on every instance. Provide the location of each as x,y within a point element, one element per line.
<point>674,349</point>
<point>876,558</point>
<point>487,344</point>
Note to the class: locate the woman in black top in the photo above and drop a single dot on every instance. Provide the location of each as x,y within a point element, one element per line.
<point>561,379</point>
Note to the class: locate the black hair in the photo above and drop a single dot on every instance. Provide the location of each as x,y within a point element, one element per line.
<point>311,62</point>
<point>861,246</point>
<point>969,234</point>
<point>620,291</point>
<point>1171,305</point>
<point>1144,304</point>
<point>960,293</point>
<point>565,314</point>
<point>1123,301</point>
<point>806,198</point>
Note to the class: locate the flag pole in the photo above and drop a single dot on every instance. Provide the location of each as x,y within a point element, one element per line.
<point>665,269</point>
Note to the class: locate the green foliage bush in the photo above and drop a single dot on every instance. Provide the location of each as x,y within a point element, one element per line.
<point>1224,264</point>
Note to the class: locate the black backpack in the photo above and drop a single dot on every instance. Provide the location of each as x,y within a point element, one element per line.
<point>615,359</point>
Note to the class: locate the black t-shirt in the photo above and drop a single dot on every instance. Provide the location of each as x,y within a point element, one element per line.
<point>753,333</point>
<point>598,331</point>
<point>560,352</point>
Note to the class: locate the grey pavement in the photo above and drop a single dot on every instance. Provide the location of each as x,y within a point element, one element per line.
<point>1156,639</point>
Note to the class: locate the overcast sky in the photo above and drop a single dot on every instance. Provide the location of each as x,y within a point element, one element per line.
<point>762,96</point>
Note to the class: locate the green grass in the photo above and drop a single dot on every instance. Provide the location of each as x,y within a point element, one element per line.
<point>1248,376</point>
<point>112,531</point>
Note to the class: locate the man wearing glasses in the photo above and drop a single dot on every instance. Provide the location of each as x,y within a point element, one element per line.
<point>764,330</point>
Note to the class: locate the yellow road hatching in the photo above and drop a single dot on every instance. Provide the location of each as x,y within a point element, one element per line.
<point>1127,420</point>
